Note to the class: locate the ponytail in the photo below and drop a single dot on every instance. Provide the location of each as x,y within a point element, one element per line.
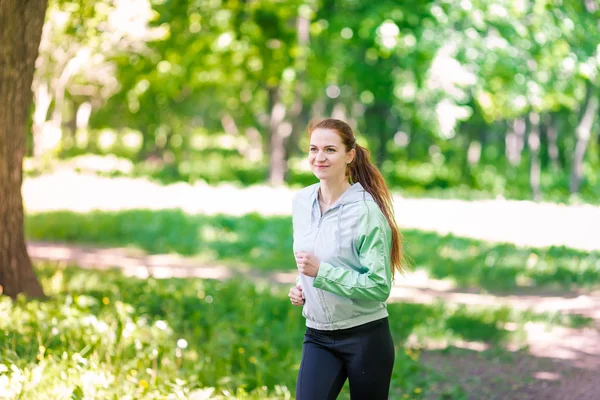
<point>362,170</point>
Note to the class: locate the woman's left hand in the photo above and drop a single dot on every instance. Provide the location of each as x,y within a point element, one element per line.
<point>307,263</point>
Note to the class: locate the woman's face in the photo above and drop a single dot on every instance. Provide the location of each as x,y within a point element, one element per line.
<point>327,155</point>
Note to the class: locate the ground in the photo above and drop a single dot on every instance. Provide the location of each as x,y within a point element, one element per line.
<point>561,364</point>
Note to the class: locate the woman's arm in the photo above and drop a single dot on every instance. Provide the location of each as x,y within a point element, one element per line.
<point>374,243</point>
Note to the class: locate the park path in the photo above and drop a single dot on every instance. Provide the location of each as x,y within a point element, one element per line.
<point>523,223</point>
<point>415,286</point>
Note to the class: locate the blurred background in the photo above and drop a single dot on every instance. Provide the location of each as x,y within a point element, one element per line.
<point>167,138</point>
<point>454,98</point>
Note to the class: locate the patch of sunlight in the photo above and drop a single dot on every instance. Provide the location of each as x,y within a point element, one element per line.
<point>420,278</point>
<point>473,251</point>
<point>475,346</point>
<point>97,163</point>
<point>524,281</point>
<point>211,234</point>
<point>451,253</point>
<point>299,164</point>
<point>547,376</point>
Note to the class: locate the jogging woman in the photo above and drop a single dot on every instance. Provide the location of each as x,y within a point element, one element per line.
<point>347,247</point>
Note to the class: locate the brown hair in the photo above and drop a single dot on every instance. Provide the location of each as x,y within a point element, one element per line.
<point>361,170</point>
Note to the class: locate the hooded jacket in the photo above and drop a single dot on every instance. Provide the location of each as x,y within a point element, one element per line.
<point>353,242</point>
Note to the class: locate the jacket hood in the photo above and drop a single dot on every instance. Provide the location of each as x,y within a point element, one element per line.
<point>354,193</point>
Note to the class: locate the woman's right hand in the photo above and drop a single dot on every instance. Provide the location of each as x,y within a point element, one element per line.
<point>296,295</point>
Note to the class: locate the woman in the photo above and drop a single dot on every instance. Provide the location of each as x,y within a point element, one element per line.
<point>347,246</point>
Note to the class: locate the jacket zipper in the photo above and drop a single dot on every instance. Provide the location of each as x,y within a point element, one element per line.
<point>320,292</point>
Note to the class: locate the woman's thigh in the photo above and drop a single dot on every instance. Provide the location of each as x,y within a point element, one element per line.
<point>370,363</point>
<point>322,373</point>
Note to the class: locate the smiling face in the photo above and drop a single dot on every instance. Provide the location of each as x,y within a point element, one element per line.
<point>327,155</point>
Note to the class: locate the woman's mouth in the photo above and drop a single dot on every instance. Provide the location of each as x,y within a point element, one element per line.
<point>320,166</point>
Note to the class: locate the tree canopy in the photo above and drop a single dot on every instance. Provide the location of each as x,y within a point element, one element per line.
<point>498,97</point>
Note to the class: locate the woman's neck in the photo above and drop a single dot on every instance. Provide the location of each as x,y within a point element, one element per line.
<point>331,191</point>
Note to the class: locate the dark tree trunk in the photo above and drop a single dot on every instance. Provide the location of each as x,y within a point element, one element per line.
<point>467,146</point>
<point>552,136</point>
<point>21,24</point>
<point>533,141</point>
<point>376,117</point>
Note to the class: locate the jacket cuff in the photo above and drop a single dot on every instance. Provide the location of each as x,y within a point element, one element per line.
<point>323,271</point>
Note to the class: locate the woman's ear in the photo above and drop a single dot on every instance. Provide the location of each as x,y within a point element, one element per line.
<point>350,157</point>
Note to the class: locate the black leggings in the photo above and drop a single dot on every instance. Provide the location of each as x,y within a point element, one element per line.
<point>364,354</point>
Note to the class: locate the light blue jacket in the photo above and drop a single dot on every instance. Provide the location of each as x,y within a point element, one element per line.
<point>353,241</point>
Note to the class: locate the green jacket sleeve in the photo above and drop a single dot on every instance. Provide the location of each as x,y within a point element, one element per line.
<point>374,243</point>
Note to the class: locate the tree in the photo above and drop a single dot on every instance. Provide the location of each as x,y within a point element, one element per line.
<point>21,23</point>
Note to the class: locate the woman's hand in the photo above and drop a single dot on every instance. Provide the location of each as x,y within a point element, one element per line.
<point>307,263</point>
<point>296,295</point>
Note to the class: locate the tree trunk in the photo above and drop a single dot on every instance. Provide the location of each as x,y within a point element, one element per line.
<point>515,139</point>
<point>21,24</point>
<point>552,135</point>
<point>278,132</point>
<point>231,128</point>
<point>583,133</point>
<point>465,166</point>
<point>591,6</point>
<point>533,140</point>
<point>339,112</point>
<point>300,121</point>
<point>474,153</point>
<point>376,118</point>
<point>298,113</point>
<point>255,140</point>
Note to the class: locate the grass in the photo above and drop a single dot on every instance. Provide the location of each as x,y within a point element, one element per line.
<point>265,243</point>
<point>101,334</point>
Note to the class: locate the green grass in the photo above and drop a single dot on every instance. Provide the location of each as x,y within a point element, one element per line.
<point>104,335</point>
<point>265,243</point>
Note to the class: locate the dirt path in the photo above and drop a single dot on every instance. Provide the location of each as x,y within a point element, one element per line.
<point>516,376</point>
<point>561,364</point>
